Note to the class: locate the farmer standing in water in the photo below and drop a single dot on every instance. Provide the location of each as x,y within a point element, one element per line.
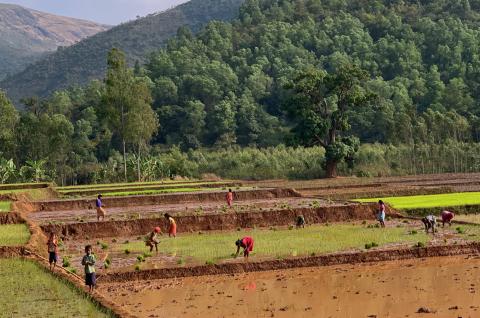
<point>100,210</point>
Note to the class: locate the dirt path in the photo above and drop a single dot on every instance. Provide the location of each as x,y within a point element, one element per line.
<point>445,286</point>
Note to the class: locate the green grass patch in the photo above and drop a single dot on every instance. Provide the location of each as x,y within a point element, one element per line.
<point>430,201</point>
<point>5,206</point>
<point>138,187</point>
<point>14,234</point>
<point>315,239</point>
<point>123,184</point>
<point>29,291</point>
<point>175,190</point>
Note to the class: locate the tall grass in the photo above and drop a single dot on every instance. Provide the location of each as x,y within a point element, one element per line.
<point>14,235</point>
<point>29,291</point>
<point>279,243</point>
<point>430,201</point>
<point>5,206</point>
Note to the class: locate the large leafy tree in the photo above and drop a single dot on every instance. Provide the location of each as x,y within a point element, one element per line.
<point>126,105</point>
<point>321,106</point>
<point>9,118</point>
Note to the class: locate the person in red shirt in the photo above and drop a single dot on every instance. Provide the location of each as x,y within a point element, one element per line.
<point>447,217</point>
<point>246,243</point>
<point>229,198</point>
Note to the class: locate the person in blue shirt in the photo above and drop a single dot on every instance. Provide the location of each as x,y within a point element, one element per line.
<point>100,210</point>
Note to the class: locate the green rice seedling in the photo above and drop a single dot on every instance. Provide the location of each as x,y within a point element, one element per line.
<point>146,255</point>
<point>66,261</point>
<point>137,268</point>
<point>140,258</point>
<point>430,201</point>
<point>127,251</point>
<point>460,230</point>
<point>368,246</point>
<point>104,246</point>
<point>316,239</point>
<point>413,232</point>
<point>210,262</point>
<point>419,244</point>
<point>180,261</point>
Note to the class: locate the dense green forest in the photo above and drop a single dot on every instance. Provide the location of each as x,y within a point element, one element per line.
<point>80,63</point>
<point>400,77</point>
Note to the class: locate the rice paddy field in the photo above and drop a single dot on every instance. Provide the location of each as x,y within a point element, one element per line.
<point>14,234</point>
<point>125,256</point>
<point>429,201</point>
<point>30,291</point>
<point>274,243</point>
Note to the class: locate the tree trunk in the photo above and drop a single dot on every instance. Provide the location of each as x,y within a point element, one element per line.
<point>124,160</point>
<point>331,169</point>
<point>138,164</point>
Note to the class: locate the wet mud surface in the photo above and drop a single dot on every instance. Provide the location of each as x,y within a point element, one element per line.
<point>442,287</point>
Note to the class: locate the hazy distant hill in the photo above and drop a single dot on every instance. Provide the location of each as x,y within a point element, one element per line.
<point>27,35</point>
<point>86,60</point>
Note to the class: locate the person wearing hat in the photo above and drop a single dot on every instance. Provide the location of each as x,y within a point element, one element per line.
<point>152,239</point>
<point>100,210</point>
<point>247,244</point>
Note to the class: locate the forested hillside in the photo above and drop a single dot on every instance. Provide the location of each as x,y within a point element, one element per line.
<point>27,35</point>
<point>80,63</point>
<point>238,84</point>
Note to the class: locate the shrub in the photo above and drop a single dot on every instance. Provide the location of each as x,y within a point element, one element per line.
<point>66,261</point>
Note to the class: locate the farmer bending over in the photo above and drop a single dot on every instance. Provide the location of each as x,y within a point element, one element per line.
<point>430,222</point>
<point>100,210</point>
<point>152,239</point>
<point>447,217</point>
<point>247,244</point>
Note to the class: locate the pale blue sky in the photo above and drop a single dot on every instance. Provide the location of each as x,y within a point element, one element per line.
<point>103,11</point>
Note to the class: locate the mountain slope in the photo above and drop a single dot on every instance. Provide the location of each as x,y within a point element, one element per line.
<point>27,35</point>
<point>86,60</point>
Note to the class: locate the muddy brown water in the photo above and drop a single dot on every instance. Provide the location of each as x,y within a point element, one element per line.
<point>447,287</point>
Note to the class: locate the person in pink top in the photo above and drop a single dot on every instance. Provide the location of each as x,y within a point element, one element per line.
<point>247,244</point>
<point>229,198</point>
<point>447,217</point>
